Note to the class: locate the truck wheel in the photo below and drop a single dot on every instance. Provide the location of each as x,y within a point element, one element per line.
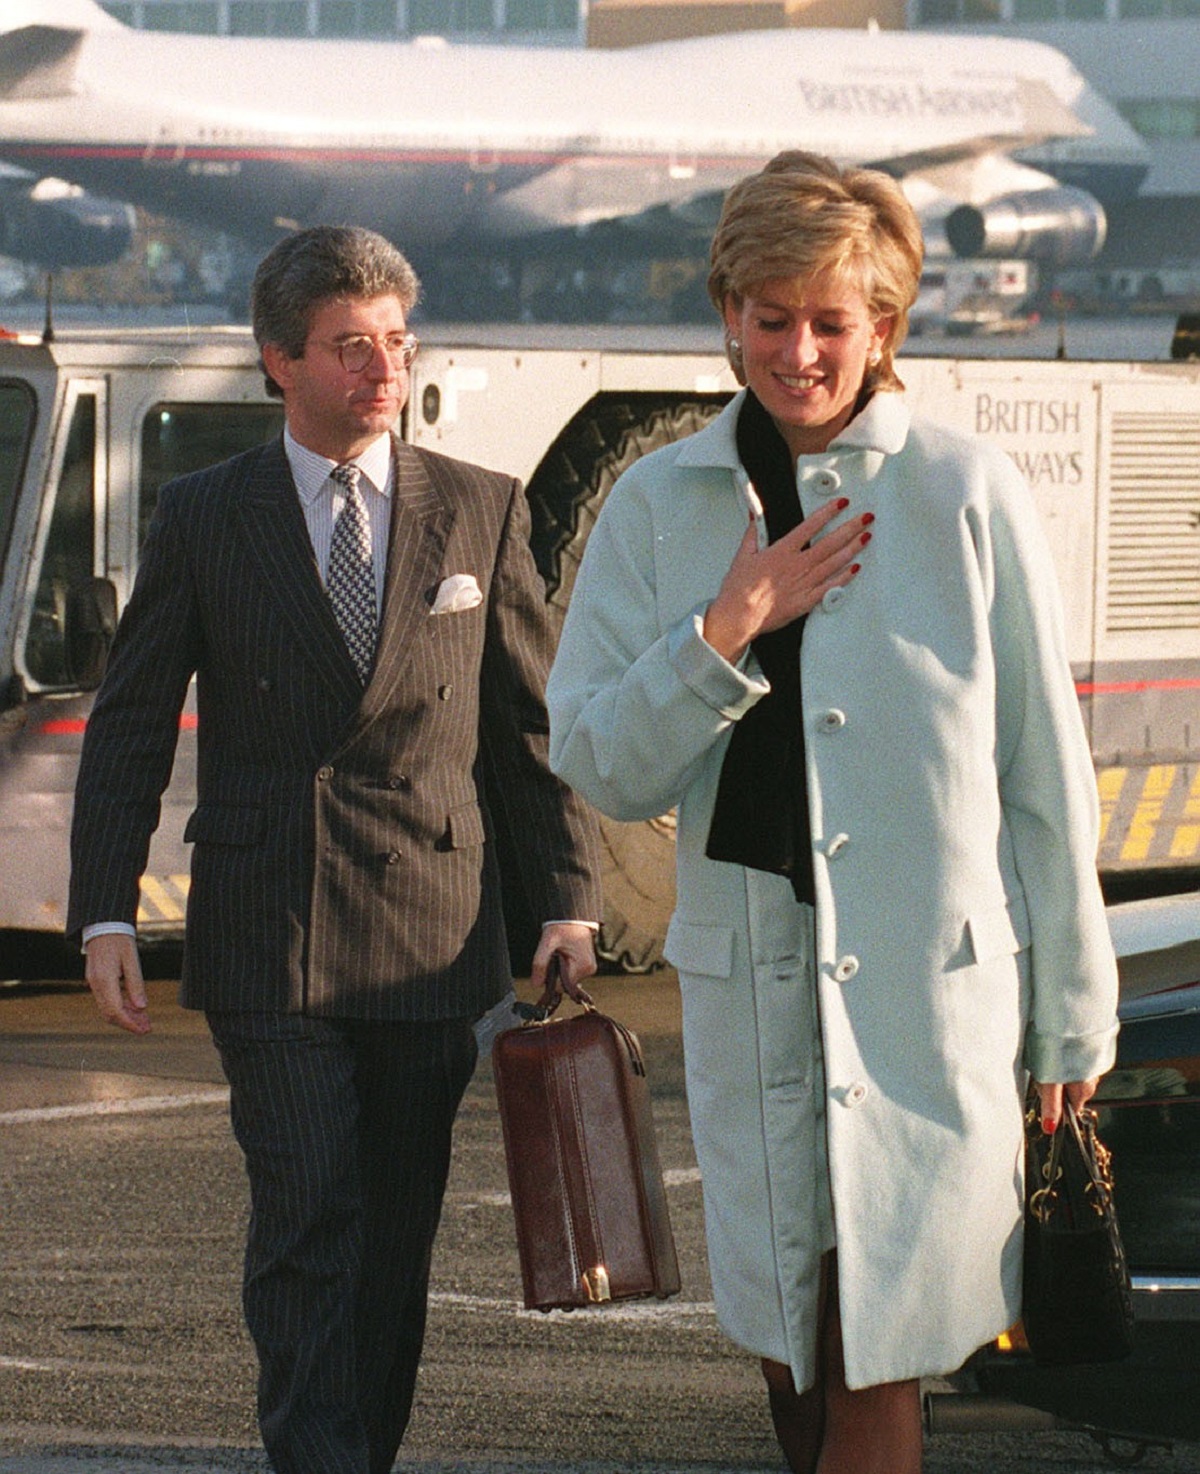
<point>565,494</point>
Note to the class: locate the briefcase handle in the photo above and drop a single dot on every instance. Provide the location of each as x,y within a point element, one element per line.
<point>552,996</point>
<point>538,1015</point>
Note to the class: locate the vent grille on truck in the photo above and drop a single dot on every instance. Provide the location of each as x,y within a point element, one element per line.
<point>1154,523</point>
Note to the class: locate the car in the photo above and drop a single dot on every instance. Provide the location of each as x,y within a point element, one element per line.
<point>1148,1110</point>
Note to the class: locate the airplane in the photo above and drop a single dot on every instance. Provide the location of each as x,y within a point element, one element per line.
<point>1001,144</point>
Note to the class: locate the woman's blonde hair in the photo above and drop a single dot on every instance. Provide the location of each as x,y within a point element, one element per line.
<point>801,215</point>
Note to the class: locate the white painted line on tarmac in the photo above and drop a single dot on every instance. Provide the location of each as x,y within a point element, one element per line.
<point>133,1105</point>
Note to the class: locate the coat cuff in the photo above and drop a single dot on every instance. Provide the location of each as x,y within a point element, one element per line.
<point>1057,1061</point>
<point>709,675</point>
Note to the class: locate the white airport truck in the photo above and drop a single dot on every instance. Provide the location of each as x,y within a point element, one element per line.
<point>93,422</point>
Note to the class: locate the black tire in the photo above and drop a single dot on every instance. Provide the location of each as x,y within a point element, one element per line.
<point>565,494</point>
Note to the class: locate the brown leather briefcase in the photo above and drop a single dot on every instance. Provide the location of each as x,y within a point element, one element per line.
<point>587,1189</point>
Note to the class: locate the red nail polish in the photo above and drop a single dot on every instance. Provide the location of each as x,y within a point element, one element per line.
<point>864,539</point>
<point>1049,1125</point>
<point>868,518</point>
<point>843,503</point>
<point>854,567</point>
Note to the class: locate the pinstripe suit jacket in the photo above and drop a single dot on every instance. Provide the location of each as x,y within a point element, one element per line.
<point>342,863</point>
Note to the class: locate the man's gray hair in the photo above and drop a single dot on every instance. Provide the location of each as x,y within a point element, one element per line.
<point>322,264</point>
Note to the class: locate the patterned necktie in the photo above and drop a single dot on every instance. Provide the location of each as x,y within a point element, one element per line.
<point>351,581</point>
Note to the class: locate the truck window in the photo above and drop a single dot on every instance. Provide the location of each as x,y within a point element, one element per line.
<point>69,556</point>
<point>178,438</point>
<point>17,406</point>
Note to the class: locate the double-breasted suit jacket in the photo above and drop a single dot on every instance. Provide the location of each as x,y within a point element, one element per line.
<point>343,862</point>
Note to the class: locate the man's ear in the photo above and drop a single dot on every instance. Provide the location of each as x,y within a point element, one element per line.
<point>278,364</point>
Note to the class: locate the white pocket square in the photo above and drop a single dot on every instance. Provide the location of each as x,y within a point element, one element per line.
<point>459,591</point>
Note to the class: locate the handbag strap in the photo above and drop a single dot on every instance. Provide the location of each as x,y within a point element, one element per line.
<point>1079,1127</point>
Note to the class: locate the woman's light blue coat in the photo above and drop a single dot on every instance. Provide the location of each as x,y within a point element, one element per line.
<point>960,934</point>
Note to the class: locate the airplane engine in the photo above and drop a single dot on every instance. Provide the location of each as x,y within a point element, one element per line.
<point>1060,226</point>
<point>56,225</point>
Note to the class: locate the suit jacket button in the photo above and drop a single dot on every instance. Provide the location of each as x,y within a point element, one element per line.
<point>445,692</point>
<point>265,683</point>
<point>324,774</point>
<point>401,781</point>
<point>393,857</point>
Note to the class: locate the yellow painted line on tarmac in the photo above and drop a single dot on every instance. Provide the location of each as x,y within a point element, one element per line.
<point>1109,782</point>
<point>1157,787</point>
<point>1185,843</point>
<point>165,899</point>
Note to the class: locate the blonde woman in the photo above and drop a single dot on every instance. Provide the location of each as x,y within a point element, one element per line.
<point>859,700</point>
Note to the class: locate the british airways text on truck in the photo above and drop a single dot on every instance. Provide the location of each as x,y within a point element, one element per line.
<point>91,424</point>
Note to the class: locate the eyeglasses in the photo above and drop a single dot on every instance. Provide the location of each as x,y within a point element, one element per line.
<point>357,353</point>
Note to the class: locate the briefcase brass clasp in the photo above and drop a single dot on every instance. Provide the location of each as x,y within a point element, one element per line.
<point>595,1284</point>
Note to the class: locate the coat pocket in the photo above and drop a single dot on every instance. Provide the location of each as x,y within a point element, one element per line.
<point>1000,931</point>
<point>694,948</point>
<point>232,824</point>
<point>464,827</point>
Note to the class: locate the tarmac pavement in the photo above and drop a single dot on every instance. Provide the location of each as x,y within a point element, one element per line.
<point>122,1203</point>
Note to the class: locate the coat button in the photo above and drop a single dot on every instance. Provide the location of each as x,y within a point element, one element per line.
<point>324,774</point>
<point>445,692</point>
<point>401,781</point>
<point>831,721</point>
<point>393,857</point>
<point>845,967</point>
<point>856,1094</point>
<point>833,597</point>
<point>827,480</point>
<point>836,845</point>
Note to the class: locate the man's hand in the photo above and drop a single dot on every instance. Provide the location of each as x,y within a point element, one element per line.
<point>114,974</point>
<point>576,949</point>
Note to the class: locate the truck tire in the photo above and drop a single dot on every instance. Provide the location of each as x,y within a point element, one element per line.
<point>565,495</point>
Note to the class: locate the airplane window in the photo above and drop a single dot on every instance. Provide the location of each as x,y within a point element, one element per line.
<point>178,438</point>
<point>17,410</point>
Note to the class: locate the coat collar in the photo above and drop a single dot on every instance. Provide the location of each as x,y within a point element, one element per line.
<point>883,427</point>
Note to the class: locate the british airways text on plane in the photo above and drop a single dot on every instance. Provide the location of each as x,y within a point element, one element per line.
<point>479,145</point>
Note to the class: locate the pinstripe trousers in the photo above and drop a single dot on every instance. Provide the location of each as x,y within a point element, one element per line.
<point>346,1130</point>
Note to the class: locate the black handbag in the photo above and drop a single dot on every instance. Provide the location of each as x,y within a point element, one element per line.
<point>1078,1306</point>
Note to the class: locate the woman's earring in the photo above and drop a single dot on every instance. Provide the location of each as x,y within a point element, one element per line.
<point>735,346</point>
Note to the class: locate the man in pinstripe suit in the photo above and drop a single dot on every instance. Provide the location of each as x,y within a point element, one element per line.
<point>345,925</point>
